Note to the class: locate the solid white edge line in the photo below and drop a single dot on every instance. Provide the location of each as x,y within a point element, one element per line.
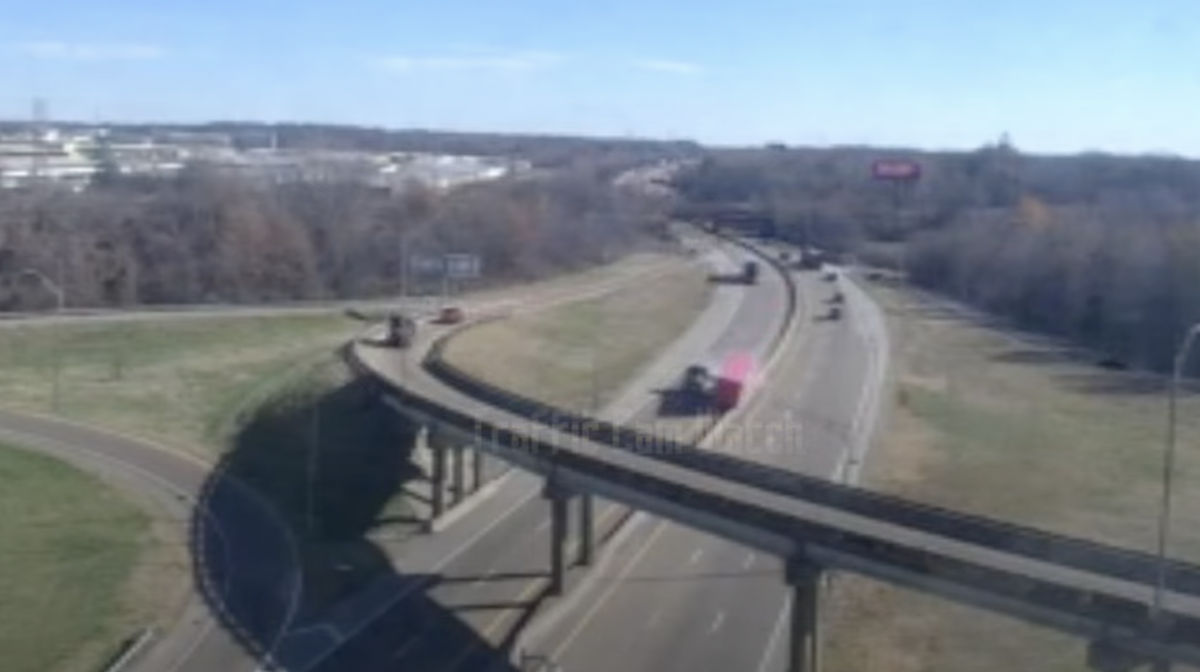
<point>776,633</point>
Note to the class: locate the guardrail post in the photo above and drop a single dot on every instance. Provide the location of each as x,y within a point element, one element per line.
<point>587,533</point>
<point>559,531</point>
<point>804,647</point>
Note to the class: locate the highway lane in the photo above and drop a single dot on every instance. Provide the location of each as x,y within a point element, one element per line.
<point>506,567</point>
<point>681,599</point>
<point>991,561</point>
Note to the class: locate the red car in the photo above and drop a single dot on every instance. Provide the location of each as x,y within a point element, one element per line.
<point>450,315</point>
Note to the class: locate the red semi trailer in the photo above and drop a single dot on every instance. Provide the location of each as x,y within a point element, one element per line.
<point>736,372</point>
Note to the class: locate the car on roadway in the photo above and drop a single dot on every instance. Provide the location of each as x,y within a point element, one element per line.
<point>451,315</point>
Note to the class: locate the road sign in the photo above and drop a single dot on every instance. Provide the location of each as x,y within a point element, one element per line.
<point>462,265</point>
<point>428,266</point>
<point>896,170</point>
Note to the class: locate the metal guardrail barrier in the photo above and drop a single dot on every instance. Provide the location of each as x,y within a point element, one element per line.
<point>1101,615</point>
<point>1095,557</point>
<point>1080,611</point>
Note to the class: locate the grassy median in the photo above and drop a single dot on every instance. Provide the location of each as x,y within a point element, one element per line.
<point>1017,428</point>
<point>579,353</point>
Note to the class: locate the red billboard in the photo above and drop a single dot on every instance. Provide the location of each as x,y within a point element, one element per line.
<point>896,169</point>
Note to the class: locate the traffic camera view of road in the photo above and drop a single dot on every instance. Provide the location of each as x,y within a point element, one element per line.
<point>770,337</point>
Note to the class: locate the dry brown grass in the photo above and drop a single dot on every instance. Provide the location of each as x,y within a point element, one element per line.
<point>550,355</point>
<point>1019,429</point>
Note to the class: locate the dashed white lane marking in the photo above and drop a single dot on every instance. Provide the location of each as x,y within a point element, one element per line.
<point>696,556</point>
<point>716,624</point>
<point>749,561</point>
<point>543,525</point>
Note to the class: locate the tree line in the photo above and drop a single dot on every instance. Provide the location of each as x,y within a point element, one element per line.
<point>1101,249</point>
<point>201,236</point>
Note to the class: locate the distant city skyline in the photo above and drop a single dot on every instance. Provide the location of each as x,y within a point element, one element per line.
<point>1058,77</point>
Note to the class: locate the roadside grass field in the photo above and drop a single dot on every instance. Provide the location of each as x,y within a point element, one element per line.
<point>176,380</point>
<point>108,563</point>
<point>65,569</point>
<point>185,381</point>
<point>1019,428</point>
<point>566,354</point>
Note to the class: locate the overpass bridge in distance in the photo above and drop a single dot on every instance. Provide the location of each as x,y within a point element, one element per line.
<point>1097,592</point>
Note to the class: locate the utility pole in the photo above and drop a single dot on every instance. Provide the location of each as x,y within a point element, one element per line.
<point>313,458</point>
<point>1178,369</point>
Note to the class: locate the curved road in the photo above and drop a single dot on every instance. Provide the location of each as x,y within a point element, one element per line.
<point>244,556</point>
<point>679,599</point>
<point>497,583</point>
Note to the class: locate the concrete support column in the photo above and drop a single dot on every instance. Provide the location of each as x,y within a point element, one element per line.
<point>559,531</point>
<point>477,470</point>
<point>437,492</point>
<point>804,652</point>
<point>587,532</point>
<point>460,474</point>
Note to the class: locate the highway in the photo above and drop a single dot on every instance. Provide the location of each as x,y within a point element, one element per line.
<point>681,599</point>
<point>245,559</point>
<point>495,586</point>
<point>1093,591</point>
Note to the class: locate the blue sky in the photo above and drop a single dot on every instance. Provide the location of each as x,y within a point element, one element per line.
<point>1057,75</point>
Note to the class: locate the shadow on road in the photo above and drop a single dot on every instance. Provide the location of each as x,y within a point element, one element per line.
<point>282,546</point>
<point>681,403</point>
<point>1036,356</point>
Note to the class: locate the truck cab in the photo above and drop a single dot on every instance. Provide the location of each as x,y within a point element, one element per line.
<point>750,272</point>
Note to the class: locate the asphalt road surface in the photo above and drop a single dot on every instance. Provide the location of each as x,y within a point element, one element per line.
<point>680,599</point>
<point>484,598</point>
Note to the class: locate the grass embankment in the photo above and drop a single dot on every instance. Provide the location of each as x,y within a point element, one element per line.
<point>1019,429</point>
<point>178,380</point>
<point>66,550</point>
<point>89,566</point>
<point>551,355</point>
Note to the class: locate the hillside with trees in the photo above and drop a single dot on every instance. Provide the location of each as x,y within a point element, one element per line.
<point>1103,250</point>
<point>204,237</point>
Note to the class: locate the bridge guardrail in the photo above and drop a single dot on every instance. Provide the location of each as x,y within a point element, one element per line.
<point>1030,542</point>
<point>1060,606</point>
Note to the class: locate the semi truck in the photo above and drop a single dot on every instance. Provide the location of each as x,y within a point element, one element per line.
<point>724,391</point>
<point>750,272</point>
